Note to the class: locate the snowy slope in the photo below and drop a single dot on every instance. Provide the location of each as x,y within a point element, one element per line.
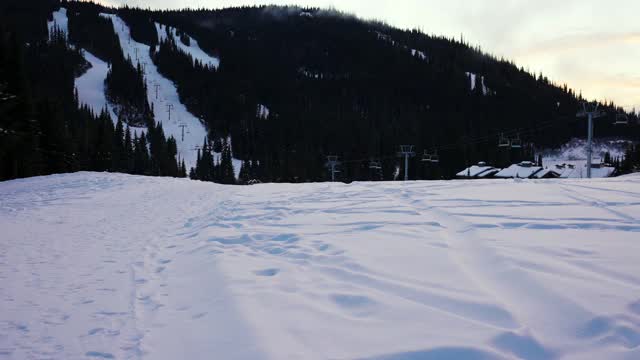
<point>116,266</point>
<point>473,78</point>
<point>192,49</point>
<point>60,21</point>
<point>167,95</point>
<point>90,85</point>
<point>194,130</point>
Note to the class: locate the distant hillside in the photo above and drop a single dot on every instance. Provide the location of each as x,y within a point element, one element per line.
<point>292,85</point>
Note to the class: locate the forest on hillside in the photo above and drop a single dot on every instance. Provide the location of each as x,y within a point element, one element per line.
<point>43,127</point>
<point>331,84</point>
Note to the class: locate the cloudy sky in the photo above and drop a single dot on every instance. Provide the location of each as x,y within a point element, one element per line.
<point>592,45</point>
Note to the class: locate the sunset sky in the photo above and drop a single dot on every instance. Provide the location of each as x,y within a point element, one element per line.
<point>592,45</point>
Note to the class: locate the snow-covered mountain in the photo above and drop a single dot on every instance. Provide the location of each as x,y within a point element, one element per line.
<point>176,120</point>
<point>97,265</point>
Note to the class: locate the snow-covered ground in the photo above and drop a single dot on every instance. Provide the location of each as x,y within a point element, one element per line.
<point>96,265</point>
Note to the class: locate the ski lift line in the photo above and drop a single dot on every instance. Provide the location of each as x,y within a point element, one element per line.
<point>453,146</point>
<point>560,121</point>
<point>475,141</point>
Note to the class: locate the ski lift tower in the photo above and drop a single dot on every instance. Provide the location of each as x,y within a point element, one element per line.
<point>590,111</point>
<point>183,126</point>
<point>169,108</point>
<point>406,151</point>
<point>157,87</point>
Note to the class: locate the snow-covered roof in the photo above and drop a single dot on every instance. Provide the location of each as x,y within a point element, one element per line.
<point>545,173</point>
<point>524,170</point>
<point>488,173</point>
<point>480,170</point>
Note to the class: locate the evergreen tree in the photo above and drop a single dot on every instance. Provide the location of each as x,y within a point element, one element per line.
<point>226,164</point>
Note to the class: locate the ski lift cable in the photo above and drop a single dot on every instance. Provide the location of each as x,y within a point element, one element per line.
<point>560,121</point>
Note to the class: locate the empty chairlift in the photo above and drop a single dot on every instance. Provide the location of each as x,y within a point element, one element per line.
<point>375,167</point>
<point>621,119</point>
<point>504,142</point>
<point>431,157</point>
<point>516,143</point>
<point>375,164</point>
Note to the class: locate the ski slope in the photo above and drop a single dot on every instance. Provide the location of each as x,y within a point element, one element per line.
<point>161,92</point>
<point>176,120</point>
<point>59,21</point>
<point>194,129</point>
<point>110,266</point>
<point>193,49</point>
<point>91,87</point>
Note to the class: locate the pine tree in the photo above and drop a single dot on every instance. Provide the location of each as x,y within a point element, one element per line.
<point>183,170</point>
<point>128,152</point>
<point>226,165</point>
<point>245,170</point>
<point>119,156</point>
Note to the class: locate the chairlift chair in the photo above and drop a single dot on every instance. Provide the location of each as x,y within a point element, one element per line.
<point>503,142</point>
<point>431,157</point>
<point>435,158</point>
<point>516,143</point>
<point>375,164</point>
<point>426,157</point>
<point>621,119</point>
